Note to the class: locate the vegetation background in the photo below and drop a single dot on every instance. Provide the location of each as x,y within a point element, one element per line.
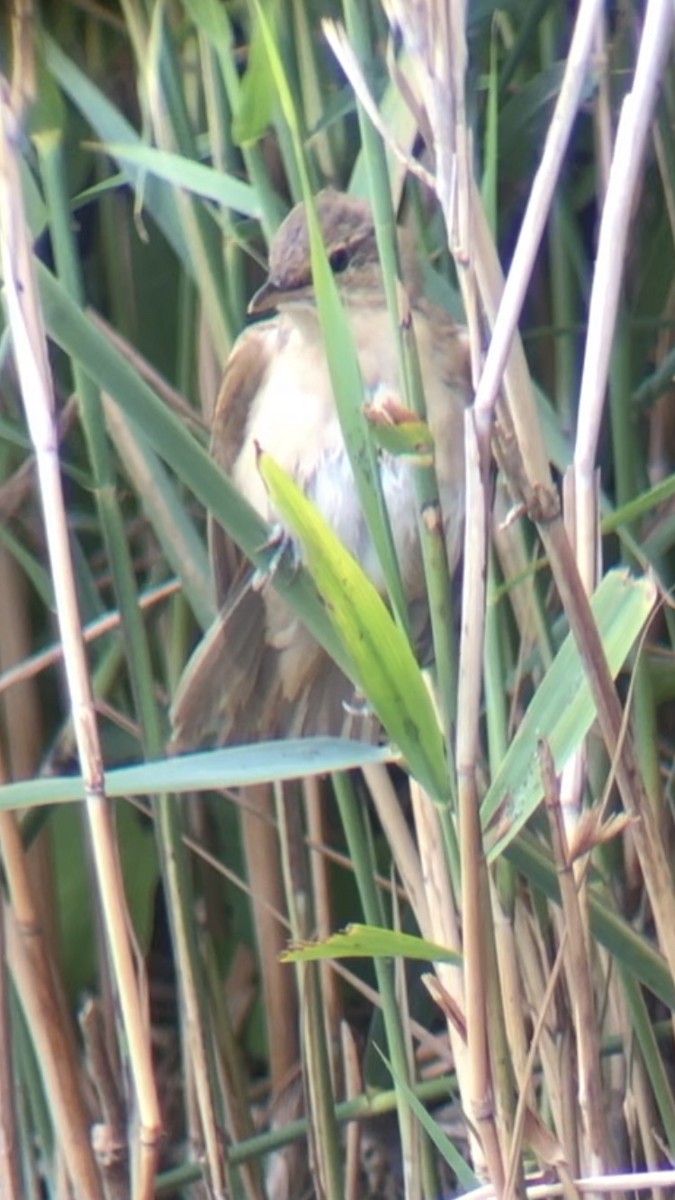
<point>149,152</point>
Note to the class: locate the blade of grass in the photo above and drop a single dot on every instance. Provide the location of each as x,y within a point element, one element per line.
<point>564,706</point>
<point>383,661</point>
<point>211,770</point>
<point>365,941</point>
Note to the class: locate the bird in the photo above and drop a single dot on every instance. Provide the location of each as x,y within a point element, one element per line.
<point>259,673</point>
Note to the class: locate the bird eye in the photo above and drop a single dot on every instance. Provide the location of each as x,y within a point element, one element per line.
<point>338,260</point>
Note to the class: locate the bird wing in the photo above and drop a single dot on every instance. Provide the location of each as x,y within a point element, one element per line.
<point>257,672</point>
<point>245,373</point>
<point>220,675</point>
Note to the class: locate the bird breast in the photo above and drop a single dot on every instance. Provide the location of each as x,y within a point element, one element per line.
<point>293,417</point>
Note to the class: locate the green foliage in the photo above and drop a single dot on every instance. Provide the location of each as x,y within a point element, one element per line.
<point>563,708</point>
<point>365,941</point>
<point>162,148</point>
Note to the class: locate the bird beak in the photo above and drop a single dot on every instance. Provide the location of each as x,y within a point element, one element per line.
<point>271,296</point>
<point>265,299</point>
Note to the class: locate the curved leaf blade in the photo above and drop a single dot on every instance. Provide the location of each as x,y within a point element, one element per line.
<point>210,770</point>
<point>383,662</point>
<point>369,941</point>
<point>563,710</point>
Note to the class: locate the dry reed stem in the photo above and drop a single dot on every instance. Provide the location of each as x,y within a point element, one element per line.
<point>646,1117</point>
<point>353,1088</point>
<point>521,1114</point>
<point>10,1166</point>
<point>591,1096</point>
<point>401,843</point>
<point>315,823</point>
<point>196,1042</point>
<point>411,1150</point>
<point>627,1182</point>
<point>261,847</point>
<point>621,185</point>
<point>574,773</point>
<point>444,929</point>
<point>480,1085</point>
<point>226,1028</point>
<point>631,137</point>
<point>554,1036</point>
<point>324,1152</point>
<point>505,322</point>
<point>645,830</point>
<point>339,43</point>
<point>47,1023</point>
<point>30,352</point>
<point>36,663</point>
<point>22,719</point>
<point>46,1017</point>
<point>109,1136</point>
<point>23,731</point>
<point>516,564</point>
<point>543,508</point>
<point>530,446</point>
<point>512,992</point>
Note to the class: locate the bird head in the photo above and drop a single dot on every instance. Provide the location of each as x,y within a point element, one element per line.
<point>349,237</point>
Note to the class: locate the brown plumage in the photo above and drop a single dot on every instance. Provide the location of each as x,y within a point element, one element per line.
<point>259,672</point>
